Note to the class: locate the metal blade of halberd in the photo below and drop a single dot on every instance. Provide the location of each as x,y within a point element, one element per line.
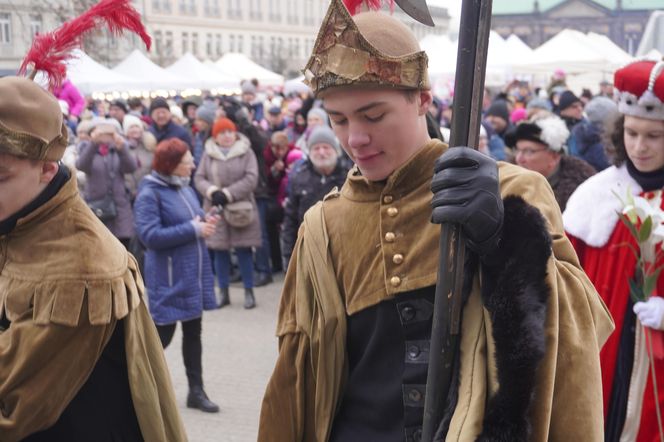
<point>417,9</point>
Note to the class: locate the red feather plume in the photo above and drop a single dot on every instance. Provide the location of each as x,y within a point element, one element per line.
<point>354,6</point>
<point>50,51</point>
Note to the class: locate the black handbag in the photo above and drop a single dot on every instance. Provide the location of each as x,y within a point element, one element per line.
<point>105,208</point>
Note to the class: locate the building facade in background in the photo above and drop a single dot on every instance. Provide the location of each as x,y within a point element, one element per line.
<point>278,34</point>
<point>536,21</point>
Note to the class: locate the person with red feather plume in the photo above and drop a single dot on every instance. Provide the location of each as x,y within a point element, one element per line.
<point>80,358</point>
<point>355,319</point>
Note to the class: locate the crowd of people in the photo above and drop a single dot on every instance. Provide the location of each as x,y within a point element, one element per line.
<point>560,327</point>
<point>207,187</point>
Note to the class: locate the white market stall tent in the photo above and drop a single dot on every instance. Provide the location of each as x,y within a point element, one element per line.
<point>92,77</point>
<point>150,76</point>
<point>575,53</point>
<point>296,86</point>
<point>241,67</point>
<point>202,75</point>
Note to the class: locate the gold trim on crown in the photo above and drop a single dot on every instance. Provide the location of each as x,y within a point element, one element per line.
<point>342,56</point>
<point>24,145</point>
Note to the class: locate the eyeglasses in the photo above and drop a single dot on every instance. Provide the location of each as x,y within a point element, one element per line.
<point>529,152</point>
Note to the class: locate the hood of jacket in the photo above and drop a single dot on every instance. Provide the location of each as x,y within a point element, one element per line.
<point>241,146</point>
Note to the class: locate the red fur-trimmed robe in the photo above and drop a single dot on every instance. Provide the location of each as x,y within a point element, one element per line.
<point>600,240</point>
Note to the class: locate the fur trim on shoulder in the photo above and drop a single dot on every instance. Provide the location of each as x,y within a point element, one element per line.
<point>515,293</point>
<point>241,146</point>
<point>592,210</point>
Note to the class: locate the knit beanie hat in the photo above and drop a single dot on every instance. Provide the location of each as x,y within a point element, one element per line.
<point>121,104</point>
<point>322,135</point>
<point>518,115</point>
<point>248,87</point>
<point>539,103</point>
<point>130,121</point>
<point>320,113</point>
<point>207,112</point>
<point>567,99</point>
<point>157,103</point>
<point>499,109</point>
<point>221,125</point>
<point>600,109</point>
<point>176,111</point>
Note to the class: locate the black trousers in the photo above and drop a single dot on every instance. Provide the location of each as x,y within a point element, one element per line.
<point>192,349</point>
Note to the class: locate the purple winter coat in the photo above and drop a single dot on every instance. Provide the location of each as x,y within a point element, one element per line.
<point>97,168</point>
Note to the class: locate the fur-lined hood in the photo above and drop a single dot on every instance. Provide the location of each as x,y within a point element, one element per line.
<point>238,149</point>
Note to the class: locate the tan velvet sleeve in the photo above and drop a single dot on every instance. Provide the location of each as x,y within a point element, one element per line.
<point>287,412</point>
<point>42,368</point>
<point>568,401</point>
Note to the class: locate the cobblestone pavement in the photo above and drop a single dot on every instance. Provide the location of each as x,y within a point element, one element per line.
<point>239,352</point>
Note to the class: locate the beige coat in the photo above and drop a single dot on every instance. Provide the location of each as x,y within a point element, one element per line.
<point>342,264</point>
<point>65,282</point>
<point>235,174</point>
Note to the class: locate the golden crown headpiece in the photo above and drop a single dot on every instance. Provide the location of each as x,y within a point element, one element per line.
<point>342,56</point>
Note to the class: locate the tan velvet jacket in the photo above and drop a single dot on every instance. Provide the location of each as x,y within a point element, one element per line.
<point>65,281</point>
<point>371,242</point>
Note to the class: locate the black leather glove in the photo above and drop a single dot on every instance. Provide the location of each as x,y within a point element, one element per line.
<point>219,198</point>
<point>466,192</point>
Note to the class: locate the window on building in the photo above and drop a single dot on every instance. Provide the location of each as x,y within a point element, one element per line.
<point>238,8</point>
<point>167,6</point>
<point>231,43</point>
<point>208,45</point>
<point>35,24</point>
<point>218,48</point>
<point>194,43</point>
<point>192,7</point>
<point>156,5</point>
<point>5,28</point>
<point>261,42</point>
<point>215,7</point>
<point>168,44</point>
<point>240,43</point>
<point>185,42</point>
<point>158,42</point>
<point>183,6</point>
<point>296,47</point>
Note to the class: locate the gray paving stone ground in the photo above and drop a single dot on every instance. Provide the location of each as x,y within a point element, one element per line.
<point>239,352</point>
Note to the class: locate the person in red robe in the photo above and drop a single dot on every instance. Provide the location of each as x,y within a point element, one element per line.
<point>602,243</point>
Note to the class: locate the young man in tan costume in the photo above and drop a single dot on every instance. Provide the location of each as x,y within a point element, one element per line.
<point>355,316</point>
<point>80,359</point>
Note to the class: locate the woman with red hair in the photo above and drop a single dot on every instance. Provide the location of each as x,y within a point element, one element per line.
<point>178,274</point>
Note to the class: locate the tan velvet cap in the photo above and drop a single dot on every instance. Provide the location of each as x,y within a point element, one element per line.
<point>31,122</point>
<point>371,49</point>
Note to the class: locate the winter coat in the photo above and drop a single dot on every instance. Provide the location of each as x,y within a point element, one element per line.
<point>199,145</point>
<point>68,287</point>
<point>235,174</point>
<point>97,167</point>
<point>530,330</point>
<point>589,144</point>
<point>258,140</point>
<point>178,273</point>
<point>70,94</point>
<point>572,171</point>
<point>144,152</point>
<point>171,130</point>
<point>306,187</point>
<point>274,178</point>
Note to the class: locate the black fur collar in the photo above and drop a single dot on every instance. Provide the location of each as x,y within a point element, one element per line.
<point>515,293</point>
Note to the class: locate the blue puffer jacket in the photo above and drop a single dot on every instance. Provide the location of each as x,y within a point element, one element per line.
<point>178,274</point>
